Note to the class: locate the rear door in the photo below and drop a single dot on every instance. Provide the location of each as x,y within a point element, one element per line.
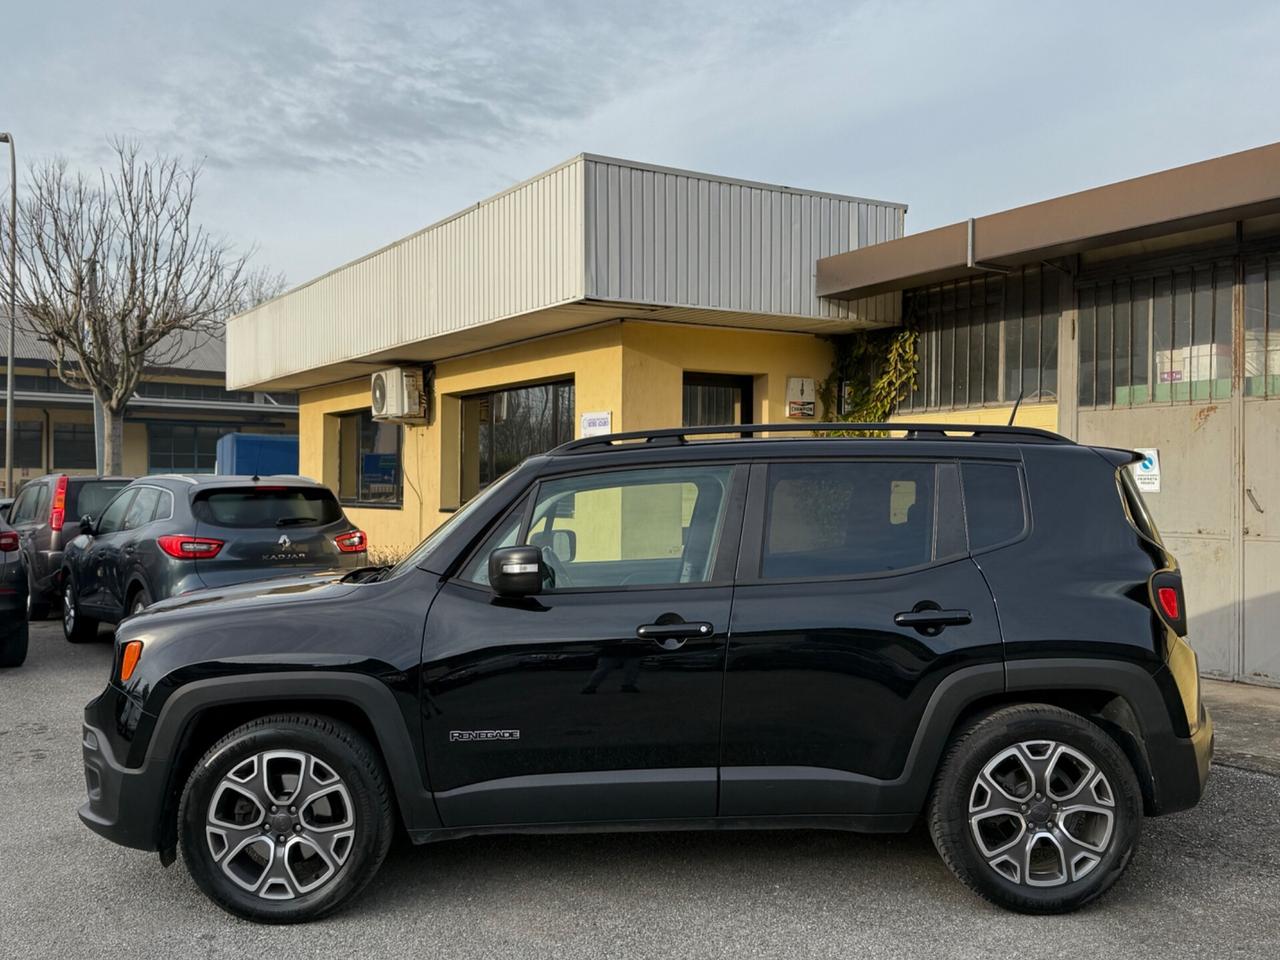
<point>268,531</point>
<point>855,598</point>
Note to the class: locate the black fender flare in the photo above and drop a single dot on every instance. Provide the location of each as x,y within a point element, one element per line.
<point>367,694</point>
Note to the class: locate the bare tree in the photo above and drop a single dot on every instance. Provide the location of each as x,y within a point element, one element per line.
<point>117,276</point>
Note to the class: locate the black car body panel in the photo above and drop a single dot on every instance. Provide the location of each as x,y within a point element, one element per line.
<point>256,524</point>
<point>808,700</point>
<point>13,584</point>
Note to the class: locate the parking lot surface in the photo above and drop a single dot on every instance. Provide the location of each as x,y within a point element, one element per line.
<point>1205,883</point>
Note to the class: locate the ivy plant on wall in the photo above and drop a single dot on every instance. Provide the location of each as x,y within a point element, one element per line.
<point>878,368</point>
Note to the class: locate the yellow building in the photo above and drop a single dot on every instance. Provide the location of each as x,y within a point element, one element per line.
<point>172,424</point>
<point>602,295</point>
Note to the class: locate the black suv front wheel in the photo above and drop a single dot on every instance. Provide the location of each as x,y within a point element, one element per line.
<point>286,818</point>
<point>1036,809</point>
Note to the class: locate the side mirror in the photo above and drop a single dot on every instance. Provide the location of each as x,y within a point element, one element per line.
<point>563,543</point>
<point>87,525</point>
<point>516,571</point>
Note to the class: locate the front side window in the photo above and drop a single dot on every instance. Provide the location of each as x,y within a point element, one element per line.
<point>113,517</point>
<point>369,460</point>
<point>630,528</point>
<point>847,518</point>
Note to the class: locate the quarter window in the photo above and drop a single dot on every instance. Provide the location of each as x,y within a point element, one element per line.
<point>992,503</point>
<point>847,518</point>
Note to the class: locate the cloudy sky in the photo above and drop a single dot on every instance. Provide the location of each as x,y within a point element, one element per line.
<point>330,127</point>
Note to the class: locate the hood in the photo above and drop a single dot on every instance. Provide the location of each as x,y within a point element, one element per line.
<point>276,591</point>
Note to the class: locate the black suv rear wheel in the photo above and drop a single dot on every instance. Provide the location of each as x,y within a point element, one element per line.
<point>1036,809</point>
<point>285,818</point>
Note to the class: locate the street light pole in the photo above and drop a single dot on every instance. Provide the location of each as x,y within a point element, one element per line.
<point>13,314</point>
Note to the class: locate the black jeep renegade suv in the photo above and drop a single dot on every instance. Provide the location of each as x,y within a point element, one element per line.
<point>664,632</point>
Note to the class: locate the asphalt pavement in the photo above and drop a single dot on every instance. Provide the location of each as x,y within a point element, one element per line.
<point>1205,883</point>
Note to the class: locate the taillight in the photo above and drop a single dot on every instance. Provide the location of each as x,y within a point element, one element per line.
<point>182,547</point>
<point>129,659</point>
<point>1168,600</point>
<point>8,541</point>
<point>353,541</point>
<point>58,512</point>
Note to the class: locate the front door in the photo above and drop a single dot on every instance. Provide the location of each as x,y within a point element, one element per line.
<point>97,571</point>
<point>555,708</point>
<point>855,596</point>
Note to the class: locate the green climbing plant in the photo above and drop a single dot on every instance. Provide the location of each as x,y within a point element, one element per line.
<point>878,369</point>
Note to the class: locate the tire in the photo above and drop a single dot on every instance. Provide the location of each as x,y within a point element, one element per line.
<point>140,600</point>
<point>37,606</point>
<point>13,646</point>
<point>240,868</point>
<point>76,627</point>
<point>1049,855</point>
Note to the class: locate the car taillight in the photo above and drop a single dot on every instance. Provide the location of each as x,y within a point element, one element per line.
<point>182,547</point>
<point>1168,600</point>
<point>352,542</point>
<point>129,659</point>
<point>58,511</point>
<point>8,541</point>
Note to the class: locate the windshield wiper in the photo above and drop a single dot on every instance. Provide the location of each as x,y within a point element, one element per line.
<point>370,574</point>
<point>289,521</point>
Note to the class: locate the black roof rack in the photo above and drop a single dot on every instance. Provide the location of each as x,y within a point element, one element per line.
<point>678,436</point>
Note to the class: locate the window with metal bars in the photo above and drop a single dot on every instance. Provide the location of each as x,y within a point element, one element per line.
<point>986,341</point>
<point>1160,337</point>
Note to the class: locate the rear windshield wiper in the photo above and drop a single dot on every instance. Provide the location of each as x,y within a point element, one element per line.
<point>290,521</point>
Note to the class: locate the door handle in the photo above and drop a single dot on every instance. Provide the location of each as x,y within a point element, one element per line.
<point>932,619</point>
<point>671,636</point>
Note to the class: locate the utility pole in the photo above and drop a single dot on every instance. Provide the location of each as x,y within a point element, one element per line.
<point>13,314</point>
<point>99,418</point>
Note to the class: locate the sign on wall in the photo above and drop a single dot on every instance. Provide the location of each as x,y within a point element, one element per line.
<point>1147,470</point>
<point>801,397</point>
<point>595,424</point>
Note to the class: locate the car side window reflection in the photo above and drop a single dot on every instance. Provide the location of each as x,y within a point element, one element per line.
<point>113,517</point>
<point>143,508</point>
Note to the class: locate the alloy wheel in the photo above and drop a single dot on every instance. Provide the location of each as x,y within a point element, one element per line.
<point>68,609</point>
<point>280,824</point>
<point>1042,813</point>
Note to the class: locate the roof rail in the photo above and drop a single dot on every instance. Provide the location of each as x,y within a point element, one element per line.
<point>679,436</point>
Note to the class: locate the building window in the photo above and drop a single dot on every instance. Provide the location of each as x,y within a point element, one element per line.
<point>28,443</point>
<point>986,341</point>
<point>1157,337</point>
<point>503,427</point>
<point>711,399</point>
<point>369,460</point>
<point>74,447</point>
<point>183,448</point>
<point>1262,327</point>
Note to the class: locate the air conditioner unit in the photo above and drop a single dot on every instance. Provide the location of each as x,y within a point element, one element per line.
<point>396,394</point>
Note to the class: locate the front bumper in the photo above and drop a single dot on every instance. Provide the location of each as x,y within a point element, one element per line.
<point>1180,766</point>
<point>124,804</point>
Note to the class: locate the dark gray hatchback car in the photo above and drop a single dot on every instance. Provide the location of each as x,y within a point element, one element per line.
<point>163,536</point>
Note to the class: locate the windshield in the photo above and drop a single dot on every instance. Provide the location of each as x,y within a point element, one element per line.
<point>423,550</point>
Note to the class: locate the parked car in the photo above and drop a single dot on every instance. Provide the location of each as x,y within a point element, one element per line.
<point>652,631</point>
<point>164,536</point>
<point>13,599</point>
<point>44,514</point>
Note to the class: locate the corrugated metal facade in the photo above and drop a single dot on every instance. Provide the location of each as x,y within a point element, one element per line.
<point>661,236</point>
<point>593,229</point>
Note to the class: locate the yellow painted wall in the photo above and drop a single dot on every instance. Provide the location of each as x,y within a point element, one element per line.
<point>632,369</point>
<point>1042,416</point>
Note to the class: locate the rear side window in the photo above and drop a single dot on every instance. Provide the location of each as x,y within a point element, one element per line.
<point>88,498</point>
<point>993,503</point>
<point>847,518</point>
<point>267,507</point>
